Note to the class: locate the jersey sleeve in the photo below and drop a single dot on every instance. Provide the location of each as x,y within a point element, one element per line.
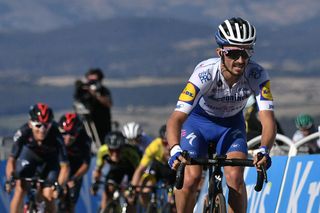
<point>260,83</point>
<point>264,97</point>
<point>62,151</point>
<point>17,145</point>
<point>102,152</point>
<point>194,88</point>
<point>86,148</point>
<point>149,154</point>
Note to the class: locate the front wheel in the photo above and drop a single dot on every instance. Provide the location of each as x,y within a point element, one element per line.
<point>112,207</point>
<point>169,208</point>
<point>152,208</point>
<point>30,208</point>
<point>205,208</point>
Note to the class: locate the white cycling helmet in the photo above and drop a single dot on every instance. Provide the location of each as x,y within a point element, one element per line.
<point>236,31</point>
<point>131,130</point>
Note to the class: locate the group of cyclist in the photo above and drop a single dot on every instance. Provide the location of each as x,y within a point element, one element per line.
<point>60,153</point>
<point>209,110</point>
<point>135,158</point>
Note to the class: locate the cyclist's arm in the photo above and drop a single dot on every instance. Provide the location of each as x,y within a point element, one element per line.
<point>63,161</point>
<point>269,128</point>
<point>137,175</point>
<point>63,174</point>
<point>174,126</point>
<point>102,152</point>
<point>81,171</point>
<point>10,167</point>
<point>96,174</point>
<point>187,101</point>
<point>86,158</point>
<point>18,139</point>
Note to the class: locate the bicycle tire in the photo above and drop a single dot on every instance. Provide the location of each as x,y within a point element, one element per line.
<point>152,208</point>
<point>112,207</point>
<point>30,208</point>
<point>205,207</point>
<point>219,204</point>
<point>169,208</point>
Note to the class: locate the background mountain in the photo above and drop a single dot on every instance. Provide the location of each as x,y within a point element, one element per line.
<point>45,15</point>
<point>45,45</point>
<point>129,47</point>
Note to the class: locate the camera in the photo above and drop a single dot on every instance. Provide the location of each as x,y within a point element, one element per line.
<point>82,92</point>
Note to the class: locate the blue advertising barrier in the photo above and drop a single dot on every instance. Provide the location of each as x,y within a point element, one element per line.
<point>301,185</point>
<point>294,186</point>
<point>266,200</point>
<point>88,203</point>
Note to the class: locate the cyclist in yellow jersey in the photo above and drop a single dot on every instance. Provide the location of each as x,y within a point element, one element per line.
<point>123,159</point>
<point>153,166</point>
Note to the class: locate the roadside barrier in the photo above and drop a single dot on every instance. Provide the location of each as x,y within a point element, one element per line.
<point>294,183</point>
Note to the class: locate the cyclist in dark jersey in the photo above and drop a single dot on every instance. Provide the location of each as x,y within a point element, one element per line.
<point>123,159</point>
<point>77,143</point>
<point>38,149</point>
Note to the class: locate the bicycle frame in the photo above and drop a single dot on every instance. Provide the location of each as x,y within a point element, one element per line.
<point>215,177</point>
<point>215,162</point>
<point>31,204</point>
<point>159,197</point>
<point>116,201</point>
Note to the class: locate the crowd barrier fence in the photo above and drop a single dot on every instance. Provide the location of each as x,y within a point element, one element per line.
<point>294,184</point>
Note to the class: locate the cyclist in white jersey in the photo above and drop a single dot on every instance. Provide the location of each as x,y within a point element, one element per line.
<point>210,110</point>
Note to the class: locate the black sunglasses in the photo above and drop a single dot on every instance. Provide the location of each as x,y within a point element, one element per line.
<point>38,125</point>
<point>235,54</point>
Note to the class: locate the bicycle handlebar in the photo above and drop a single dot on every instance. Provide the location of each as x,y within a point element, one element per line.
<point>220,161</point>
<point>261,176</point>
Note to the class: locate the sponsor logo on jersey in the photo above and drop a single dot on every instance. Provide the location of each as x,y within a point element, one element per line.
<point>24,163</point>
<point>205,76</point>
<point>179,105</point>
<point>183,133</point>
<point>255,73</point>
<point>265,91</point>
<point>236,134</point>
<point>240,95</point>
<point>191,138</point>
<point>17,135</point>
<point>189,93</point>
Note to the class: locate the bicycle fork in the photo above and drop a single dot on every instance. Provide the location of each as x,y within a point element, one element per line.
<point>215,184</point>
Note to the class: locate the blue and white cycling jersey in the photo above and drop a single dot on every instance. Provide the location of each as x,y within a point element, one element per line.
<point>215,109</point>
<point>208,89</point>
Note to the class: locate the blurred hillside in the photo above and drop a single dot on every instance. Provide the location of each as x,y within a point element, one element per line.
<point>147,100</point>
<point>131,47</point>
<point>46,45</point>
<point>46,15</point>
